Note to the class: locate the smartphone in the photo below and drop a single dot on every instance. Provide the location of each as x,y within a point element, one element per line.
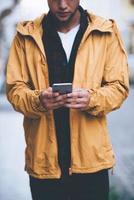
<point>62,88</point>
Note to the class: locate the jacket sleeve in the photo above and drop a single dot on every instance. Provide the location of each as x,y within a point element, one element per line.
<point>19,92</point>
<point>115,83</point>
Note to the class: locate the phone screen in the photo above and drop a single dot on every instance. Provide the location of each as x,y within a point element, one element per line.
<point>62,88</point>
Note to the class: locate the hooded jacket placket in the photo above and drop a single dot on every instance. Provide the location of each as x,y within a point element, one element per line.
<point>36,36</point>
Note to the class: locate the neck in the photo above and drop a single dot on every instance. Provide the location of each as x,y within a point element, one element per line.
<point>64,27</point>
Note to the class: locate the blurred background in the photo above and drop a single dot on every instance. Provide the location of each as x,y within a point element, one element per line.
<point>14,183</point>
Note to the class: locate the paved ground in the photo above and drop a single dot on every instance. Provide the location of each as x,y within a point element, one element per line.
<point>14,181</point>
<point>121,125</point>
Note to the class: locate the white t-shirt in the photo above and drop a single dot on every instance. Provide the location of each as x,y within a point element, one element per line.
<point>67,40</point>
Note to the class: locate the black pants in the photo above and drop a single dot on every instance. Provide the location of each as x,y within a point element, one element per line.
<point>93,186</point>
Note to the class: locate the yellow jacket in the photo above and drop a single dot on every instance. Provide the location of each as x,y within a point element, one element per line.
<point>101,65</point>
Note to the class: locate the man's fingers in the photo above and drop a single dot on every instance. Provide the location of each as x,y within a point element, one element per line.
<point>49,94</point>
<point>60,98</point>
<point>75,94</point>
<point>75,106</point>
<point>78,99</point>
<point>79,93</point>
<point>75,100</point>
<point>55,105</point>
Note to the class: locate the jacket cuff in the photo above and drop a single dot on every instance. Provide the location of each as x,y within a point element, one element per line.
<point>93,103</point>
<point>38,105</point>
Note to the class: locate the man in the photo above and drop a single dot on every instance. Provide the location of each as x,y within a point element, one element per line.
<point>68,151</point>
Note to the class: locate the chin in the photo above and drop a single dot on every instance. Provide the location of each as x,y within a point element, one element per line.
<point>63,20</point>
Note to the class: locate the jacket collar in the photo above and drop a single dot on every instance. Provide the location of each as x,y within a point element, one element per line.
<point>34,28</point>
<point>97,23</point>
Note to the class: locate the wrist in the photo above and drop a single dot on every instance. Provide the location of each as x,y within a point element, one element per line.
<point>41,105</point>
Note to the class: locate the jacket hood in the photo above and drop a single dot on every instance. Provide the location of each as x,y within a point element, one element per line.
<point>95,23</point>
<point>99,23</point>
<point>30,27</point>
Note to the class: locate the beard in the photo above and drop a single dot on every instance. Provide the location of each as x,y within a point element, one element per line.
<point>61,22</point>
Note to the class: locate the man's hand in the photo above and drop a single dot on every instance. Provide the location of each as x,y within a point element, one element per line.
<point>78,99</point>
<point>52,100</point>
